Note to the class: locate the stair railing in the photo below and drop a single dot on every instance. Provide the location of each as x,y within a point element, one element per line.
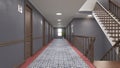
<point>113,54</point>
<point>85,44</point>
<point>114,7</point>
<point>113,28</point>
<point>109,21</point>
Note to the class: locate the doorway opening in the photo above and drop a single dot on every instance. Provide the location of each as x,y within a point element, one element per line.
<point>28,32</point>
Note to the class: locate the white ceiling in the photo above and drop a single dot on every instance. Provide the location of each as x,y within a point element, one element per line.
<point>68,8</point>
<point>88,5</point>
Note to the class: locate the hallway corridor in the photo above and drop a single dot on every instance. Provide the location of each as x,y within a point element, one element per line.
<point>60,54</point>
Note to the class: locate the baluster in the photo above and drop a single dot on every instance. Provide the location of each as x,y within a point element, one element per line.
<point>118,32</point>
<point>111,55</point>
<point>108,57</point>
<point>109,24</point>
<point>118,52</point>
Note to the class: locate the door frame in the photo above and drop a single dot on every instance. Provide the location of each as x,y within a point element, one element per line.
<point>28,6</point>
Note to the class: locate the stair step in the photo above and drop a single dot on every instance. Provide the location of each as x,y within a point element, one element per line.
<point>105,17</point>
<point>113,32</point>
<point>117,27</point>
<point>111,29</point>
<point>106,20</point>
<point>110,23</point>
<point>114,40</point>
<point>115,36</point>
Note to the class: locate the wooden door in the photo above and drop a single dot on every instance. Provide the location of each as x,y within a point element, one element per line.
<point>28,32</point>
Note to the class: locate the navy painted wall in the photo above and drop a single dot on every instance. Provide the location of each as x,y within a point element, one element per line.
<point>56,36</point>
<point>89,27</point>
<point>118,1</point>
<point>68,32</point>
<point>46,32</point>
<point>11,28</point>
<point>37,30</point>
<point>105,3</point>
<point>12,55</point>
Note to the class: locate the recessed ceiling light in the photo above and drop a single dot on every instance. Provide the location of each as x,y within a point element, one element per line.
<point>59,20</point>
<point>89,15</point>
<point>58,13</point>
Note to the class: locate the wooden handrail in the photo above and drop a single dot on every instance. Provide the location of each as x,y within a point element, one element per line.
<point>85,44</point>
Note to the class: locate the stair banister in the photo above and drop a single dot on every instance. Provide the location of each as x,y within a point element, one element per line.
<point>108,12</point>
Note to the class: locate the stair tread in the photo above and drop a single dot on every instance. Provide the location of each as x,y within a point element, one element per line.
<point>110,26</point>
<point>114,40</point>
<point>111,29</point>
<point>114,36</point>
<point>105,17</point>
<point>110,23</point>
<point>106,20</point>
<point>113,32</point>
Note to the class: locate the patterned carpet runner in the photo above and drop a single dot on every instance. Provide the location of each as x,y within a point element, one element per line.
<point>59,54</point>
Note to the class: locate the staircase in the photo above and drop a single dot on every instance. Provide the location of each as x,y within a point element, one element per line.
<point>111,28</point>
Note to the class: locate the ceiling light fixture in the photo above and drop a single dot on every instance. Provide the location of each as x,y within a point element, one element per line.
<point>89,15</point>
<point>59,20</point>
<point>58,13</point>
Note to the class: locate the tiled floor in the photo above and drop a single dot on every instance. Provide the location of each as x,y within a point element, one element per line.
<point>58,55</point>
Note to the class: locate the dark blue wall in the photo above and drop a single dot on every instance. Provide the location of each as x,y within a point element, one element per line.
<point>118,1</point>
<point>89,27</point>
<point>46,32</point>
<point>11,28</point>
<point>105,3</point>
<point>37,30</point>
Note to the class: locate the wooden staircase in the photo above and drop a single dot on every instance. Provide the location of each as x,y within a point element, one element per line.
<point>111,27</point>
